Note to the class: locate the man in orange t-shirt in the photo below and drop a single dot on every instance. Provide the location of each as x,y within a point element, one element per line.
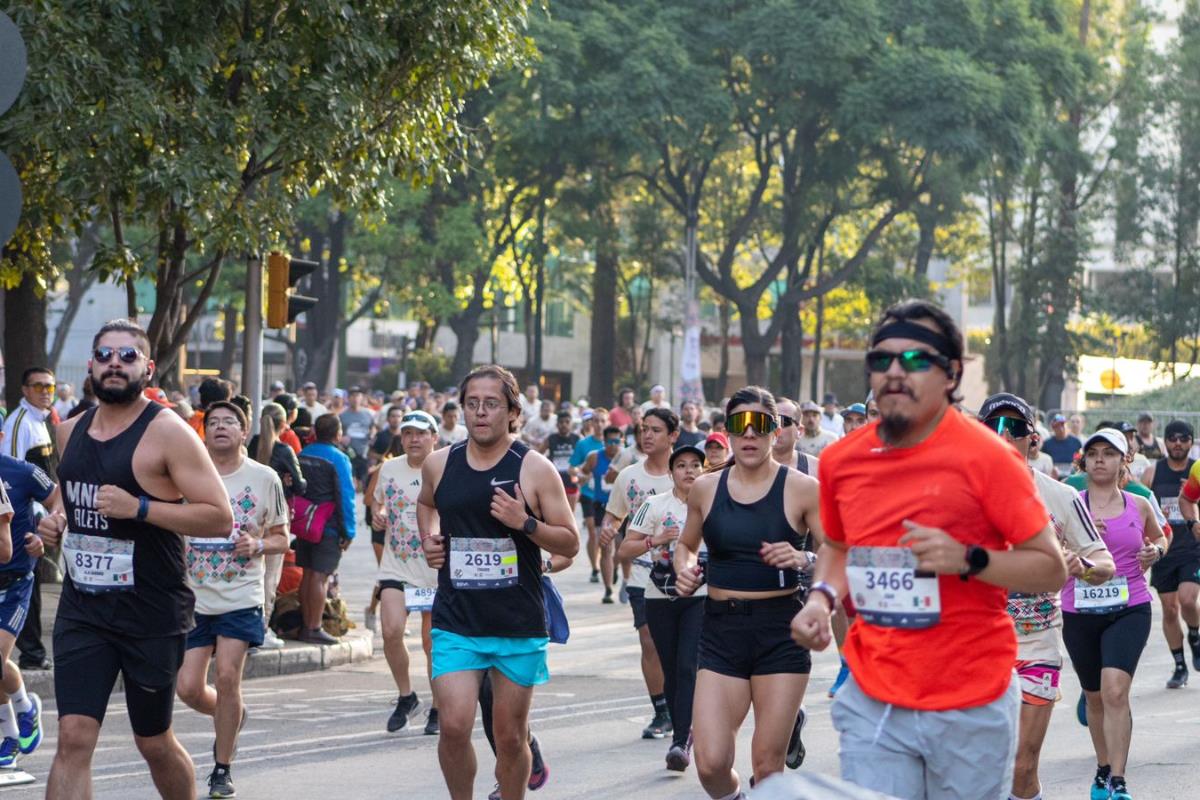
<point>927,544</point>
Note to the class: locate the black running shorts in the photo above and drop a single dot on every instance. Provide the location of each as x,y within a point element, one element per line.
<point>742,638</point>
<point>88,659</point>
<point>1096,641</point>
<point>1174,569</point>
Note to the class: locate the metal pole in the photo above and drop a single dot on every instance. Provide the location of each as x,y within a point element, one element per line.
<point>252,341</point>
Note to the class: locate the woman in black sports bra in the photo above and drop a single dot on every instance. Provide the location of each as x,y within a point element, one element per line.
<point>753,518</point>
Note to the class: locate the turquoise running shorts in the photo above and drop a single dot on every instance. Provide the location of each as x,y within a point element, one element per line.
<point>523,661</point>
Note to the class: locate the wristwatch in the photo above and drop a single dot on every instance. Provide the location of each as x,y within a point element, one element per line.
<point>530,525</point>
<point>977,561</point>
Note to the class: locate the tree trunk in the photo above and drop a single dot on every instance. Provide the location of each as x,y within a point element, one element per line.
<point>79,280</point>
<point>465,325</point>
<point>539,306</point>
<point>723,309</point>
<point>601,375</point>
<point>791,351</point>
<point>24,336</point>
<point>755,347</point>
<point>230,345</point>
<point>316,340</point>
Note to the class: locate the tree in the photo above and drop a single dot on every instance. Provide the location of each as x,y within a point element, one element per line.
<point>208,122</point>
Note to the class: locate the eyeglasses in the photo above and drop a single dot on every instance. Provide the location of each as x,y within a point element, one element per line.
<point>615,442</point>
<point>762,423</point>
<point>910,360</point>
<point>41,387</point>
<point>128,355</point>
<point>785,421</point>
<point>490,405</point>
<point>222,422</point>
<point>1179,437</point>
<point>1016,428</point>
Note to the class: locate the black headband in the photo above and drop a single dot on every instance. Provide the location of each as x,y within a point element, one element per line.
<point>903,329</point>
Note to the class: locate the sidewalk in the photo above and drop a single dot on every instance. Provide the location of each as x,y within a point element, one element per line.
<point>356,646</point>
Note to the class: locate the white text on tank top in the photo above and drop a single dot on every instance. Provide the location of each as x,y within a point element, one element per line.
<point>97,564</point>
<point>398,488</point>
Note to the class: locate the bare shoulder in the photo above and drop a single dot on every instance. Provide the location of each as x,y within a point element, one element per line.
<point>800,485</point>
<point>435,463</point>
<point>536,467</point>
<point>62,431</point>
<point>171,428</point>
<point>706,485</point>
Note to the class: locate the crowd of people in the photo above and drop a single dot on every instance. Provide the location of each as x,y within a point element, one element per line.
<point>190,535</point>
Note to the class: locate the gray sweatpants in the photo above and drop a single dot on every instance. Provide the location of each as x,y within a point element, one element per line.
<point>928,755</point>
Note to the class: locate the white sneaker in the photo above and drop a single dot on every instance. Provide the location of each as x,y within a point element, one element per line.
<point>271,641</point>
<point>370,620</point>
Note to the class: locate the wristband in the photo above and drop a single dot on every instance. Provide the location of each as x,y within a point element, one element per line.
<point>821,587</point>
<point>143,507</point>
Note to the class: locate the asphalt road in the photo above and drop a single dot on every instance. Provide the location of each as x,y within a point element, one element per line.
<point>322,734</point>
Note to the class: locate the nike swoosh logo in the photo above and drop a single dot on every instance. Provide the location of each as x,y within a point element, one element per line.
<point>499,483</point>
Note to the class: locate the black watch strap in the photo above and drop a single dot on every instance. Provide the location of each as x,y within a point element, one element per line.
<point>977,561</point>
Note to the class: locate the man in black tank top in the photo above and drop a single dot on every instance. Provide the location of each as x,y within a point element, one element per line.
<point>125,608</point>
<point>1176,577</point>
<point>488,507</point>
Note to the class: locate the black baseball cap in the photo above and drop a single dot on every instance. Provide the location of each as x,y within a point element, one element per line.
<point>1004,400</point>
<point>687,448</point>
<point>1176,427</point>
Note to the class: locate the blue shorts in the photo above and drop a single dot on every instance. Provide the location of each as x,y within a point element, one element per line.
<point>523,661</point>
<point>14,603</point>
<point>245,624</point>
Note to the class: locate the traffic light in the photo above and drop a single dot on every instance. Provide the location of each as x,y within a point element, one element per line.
<point>282,274</point>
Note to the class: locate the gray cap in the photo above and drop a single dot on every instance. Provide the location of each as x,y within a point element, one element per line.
<point>809,405</point>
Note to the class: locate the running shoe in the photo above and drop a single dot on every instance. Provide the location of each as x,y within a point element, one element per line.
<point>10,748</point>
<point>623,595</point>
<point>29,725</point>
<point>432,726</point>
<point>1195,654</point>
<point>1081,710</point>
<point>795,751</point>
<point>271,641</point>
<point>539,770</point>
<point>1100,787</point>
<point>1179,678</point>
<point>495,795</point>
<point>595,576</point>
<point>1117,790</point>
<point>659,727</point>
<point>843,673</point>
<point>220,783</point>
<point>679,757</point>
<point>607,597</point>
<point>406,708</point>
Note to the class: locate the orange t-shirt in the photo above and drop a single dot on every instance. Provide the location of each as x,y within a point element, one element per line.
<point>197,423</point>
<point>966,481</point>
<point>289,437</point>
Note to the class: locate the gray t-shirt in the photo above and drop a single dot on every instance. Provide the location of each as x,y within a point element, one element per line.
<point>357,425</point>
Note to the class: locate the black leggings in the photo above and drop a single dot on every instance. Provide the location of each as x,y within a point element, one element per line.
<point>675,627</point>
<point>1096,641</point>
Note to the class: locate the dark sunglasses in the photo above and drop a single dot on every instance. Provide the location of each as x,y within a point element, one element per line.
<point>785,421</point>
<point>762,422</point>
<point>1179,437</point>
<point>910,360</point>
<point>612,441</point>
<point>1016,428</point>
<point>128,355</point>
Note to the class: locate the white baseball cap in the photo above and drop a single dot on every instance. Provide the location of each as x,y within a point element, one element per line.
<point>421,420</point>
<point>1109,436</point>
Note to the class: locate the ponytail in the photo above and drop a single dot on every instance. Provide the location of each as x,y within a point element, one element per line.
<point>269,426</point>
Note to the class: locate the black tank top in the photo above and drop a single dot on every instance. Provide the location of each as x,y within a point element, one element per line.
<point>1166,487</point>
<point>734,533</point>
<point>491,583</point>
<point>160,602</point>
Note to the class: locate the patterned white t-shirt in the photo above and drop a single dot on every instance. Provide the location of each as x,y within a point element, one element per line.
<point>225,582</point>
<point>397,489</point>
<point>631,488</point>
<point>659,514</point>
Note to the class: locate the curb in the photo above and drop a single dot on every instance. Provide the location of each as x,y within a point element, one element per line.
<point>355,647</point>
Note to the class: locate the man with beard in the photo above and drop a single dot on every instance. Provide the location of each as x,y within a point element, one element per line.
<point>126,608</point>
<point>930,707</point>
